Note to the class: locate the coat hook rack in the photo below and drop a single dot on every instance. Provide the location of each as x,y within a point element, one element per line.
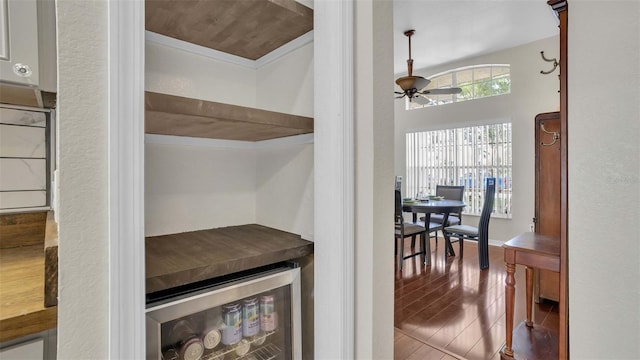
<point>556,135</point>
<point>554,61</point>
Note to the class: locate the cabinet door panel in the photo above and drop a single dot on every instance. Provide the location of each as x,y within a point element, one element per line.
<point>20,41</point>
<point>22,199</point>
<point>23,174</point>
<point>4,31</point>
<point>547,210</point>
<point>28,350</point>
<point>23,142</point>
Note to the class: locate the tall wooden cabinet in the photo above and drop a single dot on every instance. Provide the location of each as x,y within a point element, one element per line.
<point>561,8</point>
<point>548,193</point>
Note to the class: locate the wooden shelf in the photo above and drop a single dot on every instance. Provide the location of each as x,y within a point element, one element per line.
<point>22,229</point>
<point>22,310</point>
<point>185,258</point>
<point>249,29</point>
<point>180,116</point>
<point>22,276</point>
<point>51,261</point>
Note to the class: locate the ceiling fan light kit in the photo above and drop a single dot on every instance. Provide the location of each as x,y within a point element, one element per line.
<point>412,85</point>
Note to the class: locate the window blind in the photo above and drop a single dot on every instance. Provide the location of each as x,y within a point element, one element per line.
<point>462,156</point>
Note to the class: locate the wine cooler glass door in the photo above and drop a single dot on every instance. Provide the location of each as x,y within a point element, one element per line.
<point>253,319</point>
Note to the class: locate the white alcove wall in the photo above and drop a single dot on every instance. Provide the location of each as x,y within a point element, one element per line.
<point>194,184</point>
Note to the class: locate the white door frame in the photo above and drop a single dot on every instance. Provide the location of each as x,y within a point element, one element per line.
<point>334,180</point>
<point>126,180</point>
<point>333,169</point>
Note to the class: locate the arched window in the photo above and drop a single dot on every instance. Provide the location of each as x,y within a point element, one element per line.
<point>476,82</point>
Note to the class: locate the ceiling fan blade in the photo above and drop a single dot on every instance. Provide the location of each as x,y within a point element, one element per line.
<point>421,100</point>
<point>447,91</point>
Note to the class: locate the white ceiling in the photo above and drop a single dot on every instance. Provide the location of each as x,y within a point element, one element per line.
<point>451,30</point>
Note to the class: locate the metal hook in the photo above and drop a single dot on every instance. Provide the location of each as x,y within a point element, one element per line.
<point>554,61</point>
<point>556,135</point>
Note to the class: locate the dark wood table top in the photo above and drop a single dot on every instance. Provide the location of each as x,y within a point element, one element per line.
<point>185,258</point>
<point>432,206</point>
<point>535,243</point>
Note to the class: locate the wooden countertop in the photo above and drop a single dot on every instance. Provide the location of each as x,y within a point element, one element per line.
<point>22,310</point>
<point>185,258</point>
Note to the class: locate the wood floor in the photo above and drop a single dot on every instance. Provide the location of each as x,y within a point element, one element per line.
<point>452,310</point>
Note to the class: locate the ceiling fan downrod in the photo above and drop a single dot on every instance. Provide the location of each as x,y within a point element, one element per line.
<point>408,34</point>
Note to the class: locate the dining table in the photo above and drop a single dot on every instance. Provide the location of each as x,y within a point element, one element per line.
<point>431,206</point>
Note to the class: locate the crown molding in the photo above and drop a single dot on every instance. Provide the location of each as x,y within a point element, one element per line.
<point>198,50</point>
<point>228,144</point>
<point>226,57</point>
<point>283,50</point>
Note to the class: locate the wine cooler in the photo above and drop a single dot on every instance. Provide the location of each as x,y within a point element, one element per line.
<point>253,317</point>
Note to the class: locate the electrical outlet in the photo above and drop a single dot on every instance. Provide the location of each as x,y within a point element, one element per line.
<point>531,227</point>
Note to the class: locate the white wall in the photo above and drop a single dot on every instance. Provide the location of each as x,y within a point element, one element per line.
<point>83,326</point>
<point>181,73</point>
<point>284,198</point>
<point>531,93</point>
<point>286,85</point>
<point>604,179</point>
<point>285,173</point>
<point>191,187</point>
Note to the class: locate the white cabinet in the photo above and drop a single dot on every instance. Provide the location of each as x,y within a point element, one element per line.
<point>19,42</point>
<point>33,349</point>
<point>39,346</point>
<point>24,158</point>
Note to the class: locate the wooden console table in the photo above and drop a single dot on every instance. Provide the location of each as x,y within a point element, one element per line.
<point>532,250</point>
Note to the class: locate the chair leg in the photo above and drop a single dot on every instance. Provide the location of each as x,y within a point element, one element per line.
<point>395,245</point>
<point>413,241</point>
<point>401,254</point>
<point>483,253</point>
<point>461,241</point>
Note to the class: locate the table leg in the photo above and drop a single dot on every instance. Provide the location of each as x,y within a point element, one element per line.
<point>426,249</point>
<point>529,272</point>
<point>447,238</point>
<point>510,293</point>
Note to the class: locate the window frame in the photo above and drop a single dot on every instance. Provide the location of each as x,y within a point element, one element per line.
<point>455,98</point>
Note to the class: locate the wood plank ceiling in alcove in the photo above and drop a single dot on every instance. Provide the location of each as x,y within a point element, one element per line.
<point>246,28</point>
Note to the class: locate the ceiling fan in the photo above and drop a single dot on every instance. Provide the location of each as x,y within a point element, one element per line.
<point>412,85</point>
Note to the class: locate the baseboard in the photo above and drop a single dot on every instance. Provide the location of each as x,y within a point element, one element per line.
<point>493,242</point>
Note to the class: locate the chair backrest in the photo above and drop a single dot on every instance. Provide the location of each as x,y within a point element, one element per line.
<point>487,208</point>
<point>398,213</point>
<point>450,192</point>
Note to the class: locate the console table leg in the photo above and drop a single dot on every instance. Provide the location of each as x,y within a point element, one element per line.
<point>510,294</point>
<point>529,272</point>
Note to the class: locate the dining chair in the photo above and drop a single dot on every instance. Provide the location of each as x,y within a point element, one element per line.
<point>405,229</point>
<point>448,192</point>
<point>480,233</point>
